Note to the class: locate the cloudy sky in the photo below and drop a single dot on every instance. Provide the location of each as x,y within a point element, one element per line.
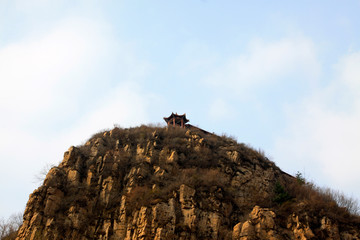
<point>281,76</point>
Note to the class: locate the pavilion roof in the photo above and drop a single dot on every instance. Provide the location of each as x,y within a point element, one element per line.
<point>176,116</point>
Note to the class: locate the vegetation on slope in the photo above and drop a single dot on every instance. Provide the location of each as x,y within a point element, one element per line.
<point>202,170</point>
<point>144,166</point>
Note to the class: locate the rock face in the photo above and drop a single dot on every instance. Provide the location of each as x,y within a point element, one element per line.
<point>158,183</point>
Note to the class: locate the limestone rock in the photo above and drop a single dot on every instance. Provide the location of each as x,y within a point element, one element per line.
<point>260,225</point>
<point>54,197</point>
<point>300,229</point>
<point>332,230</point>
<point>173,157</point>
<point>169,183</point>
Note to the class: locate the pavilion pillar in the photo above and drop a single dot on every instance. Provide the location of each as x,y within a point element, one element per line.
<point>176,120</point>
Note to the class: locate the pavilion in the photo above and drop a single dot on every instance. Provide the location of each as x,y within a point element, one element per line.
<point>176,120</point>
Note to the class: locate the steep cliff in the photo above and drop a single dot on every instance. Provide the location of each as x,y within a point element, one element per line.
<point>159,183</point>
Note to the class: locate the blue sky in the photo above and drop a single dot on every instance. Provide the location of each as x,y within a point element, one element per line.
<point>281,76</point>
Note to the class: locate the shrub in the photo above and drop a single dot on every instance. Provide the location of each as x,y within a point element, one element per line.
<point>281,195</point>
<point>137,197</point>
<point>228,138</point>
<point>349,203</point>
<point>41,175</point>
<point>316,200</point>
<point>9,227</point>
<point>299,177</point>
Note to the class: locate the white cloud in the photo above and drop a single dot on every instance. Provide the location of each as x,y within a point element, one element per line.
<point>265,63</point>
<point>220,110</point>
<point>125,105</point>
<point>32,69</point>
<point>324,138</point>
<point>29,6</point>
<point>349,72</point>
<point>76,56</point>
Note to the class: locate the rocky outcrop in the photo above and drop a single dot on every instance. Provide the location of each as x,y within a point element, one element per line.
<point>155,183</point>
<point>261,225</point>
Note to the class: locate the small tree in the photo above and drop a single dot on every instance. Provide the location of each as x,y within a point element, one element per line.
<point>300,178</point>
<point>41,175</point>
<point>281,195</point>
<point>9,227</point>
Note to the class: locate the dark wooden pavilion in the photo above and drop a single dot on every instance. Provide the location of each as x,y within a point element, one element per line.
<point>176,120</point>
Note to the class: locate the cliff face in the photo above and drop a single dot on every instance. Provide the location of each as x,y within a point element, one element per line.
<point>157,183</point>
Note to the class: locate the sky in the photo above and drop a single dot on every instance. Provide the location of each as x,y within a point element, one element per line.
<point>280,76</point>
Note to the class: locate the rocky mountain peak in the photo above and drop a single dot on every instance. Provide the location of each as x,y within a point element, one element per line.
<point>176,183</point>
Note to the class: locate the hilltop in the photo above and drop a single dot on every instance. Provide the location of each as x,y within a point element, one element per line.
<point>178,183</point>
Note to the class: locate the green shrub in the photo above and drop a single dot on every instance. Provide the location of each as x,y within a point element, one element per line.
<point>281,195</point>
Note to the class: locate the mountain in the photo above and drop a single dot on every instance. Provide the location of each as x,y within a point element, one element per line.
<point>178,183</point>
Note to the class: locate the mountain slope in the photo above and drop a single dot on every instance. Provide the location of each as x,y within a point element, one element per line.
<point>159,183</point>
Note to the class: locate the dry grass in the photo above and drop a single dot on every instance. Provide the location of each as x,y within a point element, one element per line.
<point>200,166</point>
<point>307,198</point>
